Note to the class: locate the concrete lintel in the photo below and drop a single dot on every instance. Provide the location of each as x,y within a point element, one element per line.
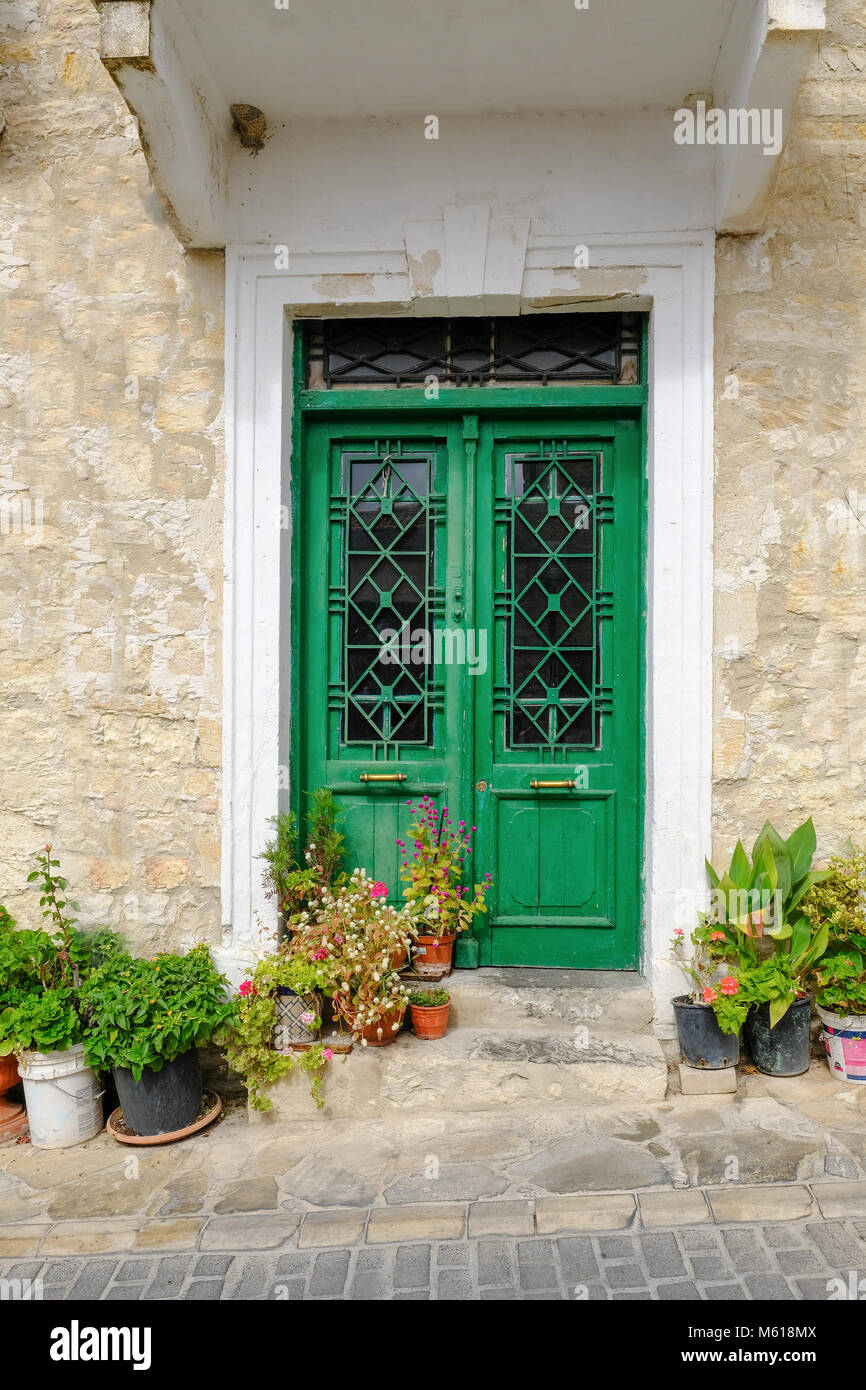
<point>467,262</point>
<point>184,124</point>
<point>765,55</point>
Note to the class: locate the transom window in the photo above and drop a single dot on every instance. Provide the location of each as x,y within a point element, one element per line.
<point>539,349</point>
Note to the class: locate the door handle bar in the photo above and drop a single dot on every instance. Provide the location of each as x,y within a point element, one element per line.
<point>539,786</point>
<point>383,777</point>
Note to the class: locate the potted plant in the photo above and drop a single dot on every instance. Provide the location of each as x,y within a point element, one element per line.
<point>840,976</point>
<point>704,1043</point>
<point>354,932</point>
<point>298,986</point>
<point>758,904</point>
<point>441,906</point>
<point>430,1009</point>
<point>251,1039</point>
<point>146,1020</point>
<point>292,883</point>
<point>40,1020</point>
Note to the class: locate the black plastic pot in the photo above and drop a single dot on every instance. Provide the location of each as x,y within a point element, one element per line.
<point>783,1050</point>
<point>162,1101</point>
<point>702,1042</point>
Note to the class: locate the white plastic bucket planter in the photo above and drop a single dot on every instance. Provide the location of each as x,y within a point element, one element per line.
<point>63,1098</point>
<point>845,1043</point>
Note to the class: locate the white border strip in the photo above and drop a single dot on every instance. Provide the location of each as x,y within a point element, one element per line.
<point>671,273</point>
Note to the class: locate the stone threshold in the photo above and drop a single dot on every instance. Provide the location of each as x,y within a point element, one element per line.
<point>596,1212</point>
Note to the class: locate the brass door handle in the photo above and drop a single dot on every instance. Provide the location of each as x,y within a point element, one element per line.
<point>537,786</point>
<point>383,777</point>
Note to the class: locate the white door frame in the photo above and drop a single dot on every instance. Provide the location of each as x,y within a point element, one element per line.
<point>672,274</point>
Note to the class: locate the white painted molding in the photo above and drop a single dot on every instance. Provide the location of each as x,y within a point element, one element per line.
<point>672,275</point>
<point>185,126</point>
<point>467,254</point>
<point>765,55</point>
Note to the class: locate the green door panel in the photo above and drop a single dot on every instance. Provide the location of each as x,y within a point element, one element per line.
<point>515,536</point>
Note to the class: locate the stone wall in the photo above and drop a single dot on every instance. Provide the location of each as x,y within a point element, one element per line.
<point>111,494</point>
<point>790,503</point>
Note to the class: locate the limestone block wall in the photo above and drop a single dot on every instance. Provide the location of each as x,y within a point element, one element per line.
<point>790,499</point>
<point>110,503</point>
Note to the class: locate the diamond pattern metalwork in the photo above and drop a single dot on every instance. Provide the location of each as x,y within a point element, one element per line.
<point>553,604</point>
<point>387,583</point>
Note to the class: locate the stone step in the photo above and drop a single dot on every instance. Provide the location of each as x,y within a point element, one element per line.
<point>605,1001</point>
<point>481,1069</point>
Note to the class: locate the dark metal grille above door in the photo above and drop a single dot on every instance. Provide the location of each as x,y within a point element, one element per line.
<point>535,348</point>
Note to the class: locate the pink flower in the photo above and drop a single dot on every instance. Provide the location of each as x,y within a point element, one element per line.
<point>247,988</point>
<point>321,954</point>
<point>378,890</point>
<point>729,985</point>
<point>717,936</point>
<point>710,995</point>
<point>678,932</point>
<point>328,1053</point>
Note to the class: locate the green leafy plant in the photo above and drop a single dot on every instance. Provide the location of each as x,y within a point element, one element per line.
<point>143,1013</point>
<point>44,1020</point>
<point>40,971</point>
<point>429,998</point>
<point>295,885</point>
<point>437,898</point>
<point>248,1034</point>
<point>762,897</point>
<point>839,902</point>
<point>325,851</point>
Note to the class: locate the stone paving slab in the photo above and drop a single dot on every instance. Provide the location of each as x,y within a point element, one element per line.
<point>802,1131</point>
<point>799,1260</point>
<point>670,1208</point>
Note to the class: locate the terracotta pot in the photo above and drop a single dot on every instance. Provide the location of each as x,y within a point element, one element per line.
<point>437,953</point>
<point>13,1116</point>
<point>430,1021</point>
<point>370,1034</point>
<point>398,958</point>
<point>8,1072</point>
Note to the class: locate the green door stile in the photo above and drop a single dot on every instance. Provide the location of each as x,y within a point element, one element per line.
<point>459,513</point>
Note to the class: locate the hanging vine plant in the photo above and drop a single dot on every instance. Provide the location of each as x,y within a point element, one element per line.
<point>248,1037</point>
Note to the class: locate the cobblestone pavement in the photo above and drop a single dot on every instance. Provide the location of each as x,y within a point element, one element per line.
<point>792,1260</point>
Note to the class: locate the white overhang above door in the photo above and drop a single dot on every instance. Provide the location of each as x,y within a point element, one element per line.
<point>183,65</point>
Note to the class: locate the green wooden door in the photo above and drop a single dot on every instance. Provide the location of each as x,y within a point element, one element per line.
<point>471,630</point>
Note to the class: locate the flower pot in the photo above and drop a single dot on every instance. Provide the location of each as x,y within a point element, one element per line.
<point>63,1097</point>
<point>783,1050</point>
<point>844,1038</point>
<point>162,1101</point>
<point>434,955</point>
<point>399,958</point>
<point>702,1042</point>
<point>13,1116</point>
<point>430,1021</point>
<point>370,1034</point>
<point>289,1009</point>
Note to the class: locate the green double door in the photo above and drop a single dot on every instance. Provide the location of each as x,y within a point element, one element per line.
<point>471,629</point>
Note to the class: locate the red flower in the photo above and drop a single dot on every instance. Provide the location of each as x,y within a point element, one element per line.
<point>729,985</point>
<point>717,936</point>
<point>247,988</point>
<point>709,995</point>
<point>321,954</point>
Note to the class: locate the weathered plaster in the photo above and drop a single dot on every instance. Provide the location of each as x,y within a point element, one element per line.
<point>111,388</point>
